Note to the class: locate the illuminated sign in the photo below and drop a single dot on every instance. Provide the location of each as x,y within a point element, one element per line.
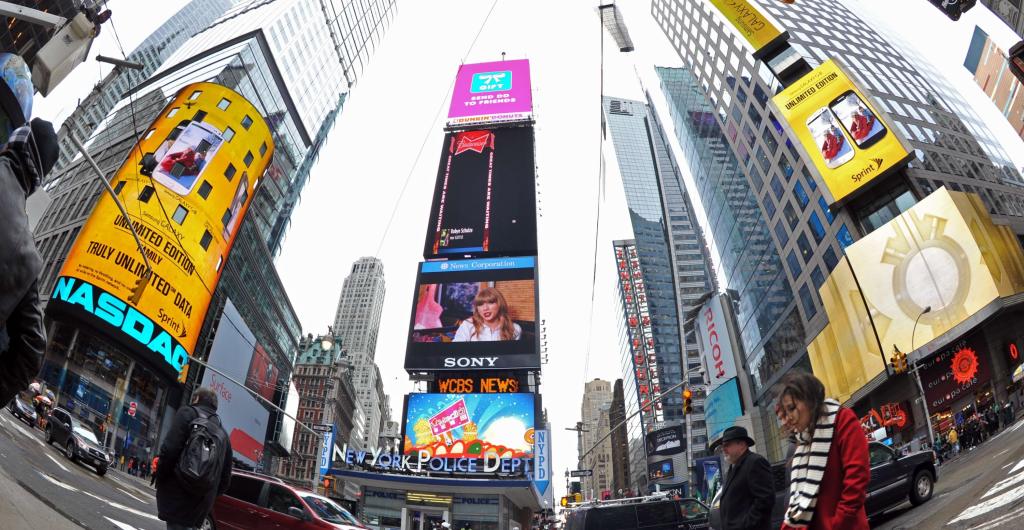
<point>848,142</point>
<point>761,34</point>
<point>643,348</point>
<point>475,385</point>
<point>209,148</point>
<point>423,461</point>
<point>491,92</point>
<point>715,344</point>
<point>469,425</point>
<point>955,372</point>
<point>1014,352</point>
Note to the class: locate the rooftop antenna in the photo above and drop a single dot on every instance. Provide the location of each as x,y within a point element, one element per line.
<point>502,56</point>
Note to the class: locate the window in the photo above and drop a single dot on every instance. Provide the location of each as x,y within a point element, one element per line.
<point>263,148</point>
<point>808,301</point>
<point>791,217</point>
<point>226,217</point>
<point>805,247</point>
<point>780,232</point>
<point>229,172</point>
<point>172,112</point>
<point>179,214</point>
<point>817,229</point>
<point>844,237</point>
<point>245,489</point>
<point>206,240</point>
<point>794,264</point>
<point>248,158</point>
<point>118,187</point>
<point>817,277</point>
<point>280,499</point>
<point>200,115</point>
<point>880,454</point>
<point>655,513</point>
<point>801,195</point>
<point>824,209</point>
<point>777,188</point>
<point>204,190</point>
<point>224,103</point>
<point>195,95</point>
<point>229,133</point>
<point>146,194</point>
<point>246,122</point>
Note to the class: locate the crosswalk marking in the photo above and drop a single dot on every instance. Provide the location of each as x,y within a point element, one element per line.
<point>58,483</point>
<point>58,463</point>
<point>998,501</point>
<point>119,524</point>
<point>130,495</point>
<point>1018,467</point>
<point>1002,485</point>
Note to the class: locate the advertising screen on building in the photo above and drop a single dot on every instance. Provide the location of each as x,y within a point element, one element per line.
<point>722,408</point>
<point>642,344</point>
<point>474,314</point>
<point>667,441</point>
<point>481,382</point>
<point>848,142</point>
<point>243,417</point>
<point>715,343</point>
<point>469,425</point>
<point>660,470</point>
<point>210,147</point>
<point>491,92</point>
<point>956,373</point>
<point>485,196</point>
<point>761,33</point>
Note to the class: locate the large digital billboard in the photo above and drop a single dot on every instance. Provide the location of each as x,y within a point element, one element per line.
<point>722,408</point>
<point>667,441</point>
<point>485,197</point>
<point>474,314</point>
<point>761,33</point>
<point>491,92</point>
<point>715,341</point>
<point>847,141</point>
<point>210,147</point>
<point>243,417</point>
<point>469,425</point>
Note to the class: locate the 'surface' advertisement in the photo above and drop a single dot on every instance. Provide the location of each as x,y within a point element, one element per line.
<point>848,142</point>
<point>210,146</point>
<point>485,197</point>
<point>491,92</point>
<point>954,373</point>
<point>469,425</point>
<point>476,314</point>
<point>667,441</point>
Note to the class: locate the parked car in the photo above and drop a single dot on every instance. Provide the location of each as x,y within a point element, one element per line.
<point>23,411</point>
<point>656,512</point>
<point>78,441</point>
<point>254,500</point>
<point>895,478</point>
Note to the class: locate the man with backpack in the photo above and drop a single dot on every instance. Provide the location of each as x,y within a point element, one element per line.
<point>195,464</point>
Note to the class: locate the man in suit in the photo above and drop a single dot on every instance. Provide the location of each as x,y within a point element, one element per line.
<point>748,495</point>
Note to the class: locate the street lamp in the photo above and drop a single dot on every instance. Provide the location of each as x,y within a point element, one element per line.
<point>917,377</point>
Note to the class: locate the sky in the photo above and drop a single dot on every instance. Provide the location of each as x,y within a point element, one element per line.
<point>370,191</point>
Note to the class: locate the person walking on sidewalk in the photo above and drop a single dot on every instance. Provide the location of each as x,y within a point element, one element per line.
<point>748,495</point>
<point>152,469</point>
<point>830,468</point>
<point>195,464</point>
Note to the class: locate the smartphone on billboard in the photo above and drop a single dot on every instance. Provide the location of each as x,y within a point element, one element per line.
<point>860,123</point>
<point>183,156</point>
<point>231,215</point>
<point>831,142</point>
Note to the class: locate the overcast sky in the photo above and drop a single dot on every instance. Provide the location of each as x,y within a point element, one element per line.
<point>394,110</point>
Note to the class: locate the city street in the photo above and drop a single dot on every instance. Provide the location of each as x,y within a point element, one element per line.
<point>75,491</point>
<point>979,489</point>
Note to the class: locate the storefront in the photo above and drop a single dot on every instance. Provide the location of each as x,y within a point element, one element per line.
<point>403,502</point>
<point>122,398</point>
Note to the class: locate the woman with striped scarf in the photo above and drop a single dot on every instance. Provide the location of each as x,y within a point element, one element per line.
<point>830,468</point>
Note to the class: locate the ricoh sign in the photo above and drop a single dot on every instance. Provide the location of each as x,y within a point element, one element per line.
<point>716,348</point>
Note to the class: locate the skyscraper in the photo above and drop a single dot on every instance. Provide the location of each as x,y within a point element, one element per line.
<point>764,209</point>
<point>1009,11</point>
<point>672,258</point>
<point>357,322</point>
<point>597,401</point>
<point>988,64</point>
<point>619,441</point>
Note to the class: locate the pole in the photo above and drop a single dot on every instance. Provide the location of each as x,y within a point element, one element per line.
<point>917,377</point>
<point>623,422</point>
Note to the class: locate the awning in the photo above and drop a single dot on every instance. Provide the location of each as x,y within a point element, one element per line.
<point>520,492</point>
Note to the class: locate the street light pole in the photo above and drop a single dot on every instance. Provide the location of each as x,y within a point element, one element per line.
<point>917,377</point>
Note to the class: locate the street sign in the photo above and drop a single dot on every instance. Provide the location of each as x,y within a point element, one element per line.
<point>582,473</point>
<point>132,406</point>
<point>322,428</point>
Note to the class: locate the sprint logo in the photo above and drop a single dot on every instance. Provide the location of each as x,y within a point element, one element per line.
<point>868,171</point>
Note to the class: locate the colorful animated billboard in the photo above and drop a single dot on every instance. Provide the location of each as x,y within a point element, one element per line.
<point>469,425</point>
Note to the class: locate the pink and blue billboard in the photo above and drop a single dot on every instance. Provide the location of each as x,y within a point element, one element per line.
<point>491,92</point>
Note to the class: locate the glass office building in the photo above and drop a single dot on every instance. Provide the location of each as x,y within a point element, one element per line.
<point>776,238</point>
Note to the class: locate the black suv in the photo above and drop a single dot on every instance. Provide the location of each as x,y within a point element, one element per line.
<point>894,478</point>
<point>78,441</point>
<point>647,513</point>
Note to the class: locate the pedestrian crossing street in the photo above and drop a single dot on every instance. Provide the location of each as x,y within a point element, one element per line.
<point>989,511</point>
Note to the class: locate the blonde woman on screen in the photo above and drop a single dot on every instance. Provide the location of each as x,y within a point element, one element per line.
<point>490,320</point>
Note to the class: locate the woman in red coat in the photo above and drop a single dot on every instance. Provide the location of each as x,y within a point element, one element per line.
<point>830,469</point>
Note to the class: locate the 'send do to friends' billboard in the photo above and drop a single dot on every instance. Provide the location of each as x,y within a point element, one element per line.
<point>210,147</point>
<point>469,425</point>
<point>485,197</point>
<point>847,140</point>
<point>477,314</point>
<point>491,92</point>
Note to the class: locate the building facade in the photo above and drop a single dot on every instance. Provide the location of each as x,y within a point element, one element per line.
<point>776,238</point>
<point>246,49</point>
<point>1008,11</point>
<point>620,442</point>
<point>597,400</point>
<point>988,64</point>
<point>357,322</point>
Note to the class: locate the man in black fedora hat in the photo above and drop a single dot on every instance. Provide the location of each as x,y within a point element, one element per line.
<point>748,495</point>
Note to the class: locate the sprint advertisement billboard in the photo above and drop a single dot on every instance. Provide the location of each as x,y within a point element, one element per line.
<point>210,147</point>
<point>848,142</point>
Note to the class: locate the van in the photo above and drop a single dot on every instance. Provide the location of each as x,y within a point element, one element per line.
<point>259,501</point>
<point>643,513</point>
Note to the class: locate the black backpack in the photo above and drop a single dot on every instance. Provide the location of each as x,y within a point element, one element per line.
<point>202,457</point>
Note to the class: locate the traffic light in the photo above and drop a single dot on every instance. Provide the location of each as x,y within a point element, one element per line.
<point>903,363</point>
<point>577,497</point>
<point>183,373</point>
<point>140,285</point>
<point>954,8</point>
<point>898,361</point>
<point>687,401</point>
<point>564,502</point>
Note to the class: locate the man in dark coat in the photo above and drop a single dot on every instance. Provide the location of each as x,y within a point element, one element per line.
<point>748,495</point>
<point>28,154</point>
<point>180,508</point>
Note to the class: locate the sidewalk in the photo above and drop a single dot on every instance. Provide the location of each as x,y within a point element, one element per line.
<point>20,509</point>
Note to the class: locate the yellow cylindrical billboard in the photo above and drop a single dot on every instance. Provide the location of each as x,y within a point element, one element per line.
<point>208,149</point>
